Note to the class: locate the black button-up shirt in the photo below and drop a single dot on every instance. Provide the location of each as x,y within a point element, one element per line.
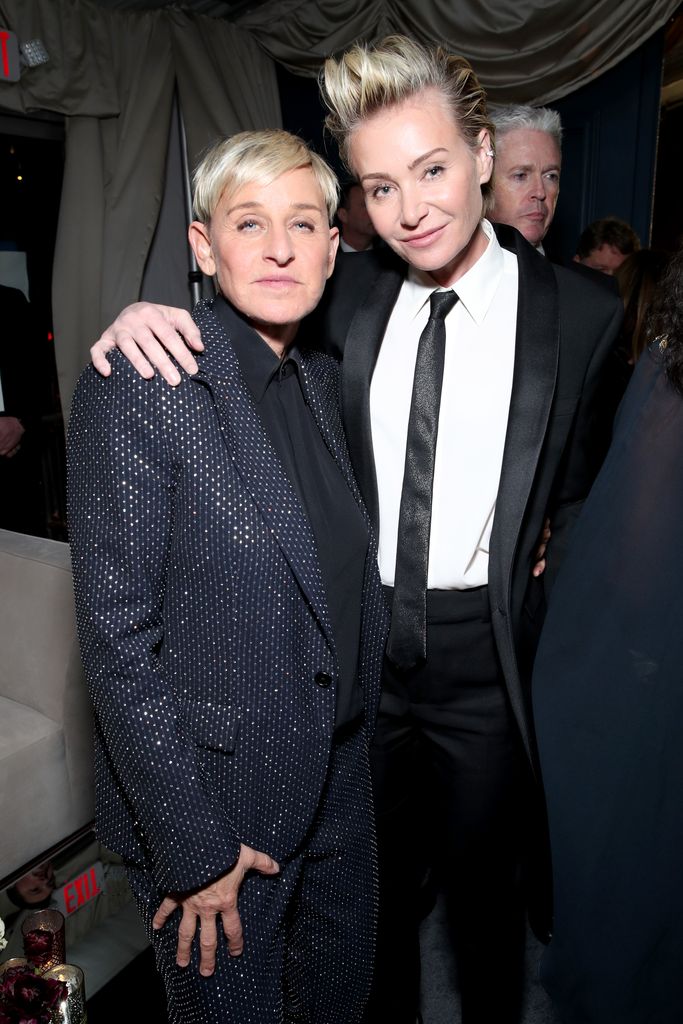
<point>338,526</point>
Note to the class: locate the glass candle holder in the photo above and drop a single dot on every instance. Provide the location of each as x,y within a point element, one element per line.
<point>15,961</point>
<point>43,935</point>
<point>71,1010</point>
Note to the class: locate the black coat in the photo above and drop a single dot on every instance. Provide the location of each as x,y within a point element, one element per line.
<point>608,698</point>
<point>565,328</point>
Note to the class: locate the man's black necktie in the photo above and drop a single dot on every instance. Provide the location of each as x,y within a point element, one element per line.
<point>407,644</point>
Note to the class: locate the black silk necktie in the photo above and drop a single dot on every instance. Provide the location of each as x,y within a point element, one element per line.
<point>407,644</point>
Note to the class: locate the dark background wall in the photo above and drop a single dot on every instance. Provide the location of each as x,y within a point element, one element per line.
<point>609,149</point>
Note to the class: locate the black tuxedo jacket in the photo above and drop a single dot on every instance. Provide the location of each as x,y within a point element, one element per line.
<point>202,615</point>
<point>565,327</point>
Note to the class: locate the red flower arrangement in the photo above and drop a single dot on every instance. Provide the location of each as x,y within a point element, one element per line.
<point>38,944</point>
<point>28,998</point>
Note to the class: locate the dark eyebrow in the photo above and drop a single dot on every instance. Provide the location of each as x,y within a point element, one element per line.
<point>426,156</point>
<point>411,166</point>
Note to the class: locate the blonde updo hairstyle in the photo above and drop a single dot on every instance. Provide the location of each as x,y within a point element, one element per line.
<point>256,156</point>
<point>367,79</point>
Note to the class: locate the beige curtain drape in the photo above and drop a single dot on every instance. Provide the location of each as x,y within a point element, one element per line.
<point>524,51</point>
<point>113,75</point>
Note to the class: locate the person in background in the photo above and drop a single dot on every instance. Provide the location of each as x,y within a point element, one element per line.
<point>638,278</point>
<point>24,399</point>
<point>232,622</point>
<point>526,179</point>
<point>605,244</point>
<point>356,232</point>
<point>608,703</point>
<point>459,470</point>
<point>35,888</point>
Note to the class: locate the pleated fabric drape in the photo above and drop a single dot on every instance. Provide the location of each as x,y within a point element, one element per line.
<point>113,75</point>
<point>524,51</point>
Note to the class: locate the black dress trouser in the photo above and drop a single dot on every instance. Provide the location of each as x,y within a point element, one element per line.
<point>450,780</point>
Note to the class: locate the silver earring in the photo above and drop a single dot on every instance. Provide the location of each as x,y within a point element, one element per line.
<point>489,152</point>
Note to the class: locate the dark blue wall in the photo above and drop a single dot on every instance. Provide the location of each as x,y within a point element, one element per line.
<point>609,149</point>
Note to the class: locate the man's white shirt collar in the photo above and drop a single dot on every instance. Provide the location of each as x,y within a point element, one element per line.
<point>345,247</point>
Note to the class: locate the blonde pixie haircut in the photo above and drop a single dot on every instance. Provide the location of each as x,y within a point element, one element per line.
<point>367,79</point>
<point>257,156</point>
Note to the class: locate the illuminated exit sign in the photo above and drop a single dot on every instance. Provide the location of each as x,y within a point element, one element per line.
<point>9,57</point>
<point>79,891</point>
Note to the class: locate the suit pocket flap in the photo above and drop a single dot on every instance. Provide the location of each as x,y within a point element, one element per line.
<point>214,726</point>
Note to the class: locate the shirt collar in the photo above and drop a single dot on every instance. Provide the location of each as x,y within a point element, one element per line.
<point>345,247</point>
<point>475,289</point>
<point>258,363</point>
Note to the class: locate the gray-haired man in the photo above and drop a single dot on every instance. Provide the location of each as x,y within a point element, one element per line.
<point>526,180</point>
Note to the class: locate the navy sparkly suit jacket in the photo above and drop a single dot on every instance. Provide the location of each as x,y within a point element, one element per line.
<point>202,615</point>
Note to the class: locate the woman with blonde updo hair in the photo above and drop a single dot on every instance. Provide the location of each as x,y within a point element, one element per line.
<point>365,80</point>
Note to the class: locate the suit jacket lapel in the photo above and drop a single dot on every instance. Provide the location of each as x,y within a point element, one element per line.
<point>257,463</point>
<point>533,388</point>
<point>360,355</point>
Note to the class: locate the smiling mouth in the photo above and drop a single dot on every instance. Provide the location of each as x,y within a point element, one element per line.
<point>423,240</point>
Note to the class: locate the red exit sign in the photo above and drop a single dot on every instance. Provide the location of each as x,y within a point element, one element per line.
<point>9,57</point>
<point>80,890</point>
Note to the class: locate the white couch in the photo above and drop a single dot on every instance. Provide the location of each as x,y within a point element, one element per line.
<point>46,763</point>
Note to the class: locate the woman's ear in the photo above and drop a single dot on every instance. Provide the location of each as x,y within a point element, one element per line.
<point>485,157</point>
<point>200,241</point>
<point>332,252</point>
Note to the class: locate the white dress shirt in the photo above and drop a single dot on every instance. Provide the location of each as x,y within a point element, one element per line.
<point>345,247</point>
<point>475,400</point>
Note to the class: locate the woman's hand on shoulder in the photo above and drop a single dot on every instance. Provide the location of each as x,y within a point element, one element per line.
<point>145,333</point>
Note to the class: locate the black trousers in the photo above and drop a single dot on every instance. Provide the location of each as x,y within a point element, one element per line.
<point>450,779</point>
<point>308,932</point>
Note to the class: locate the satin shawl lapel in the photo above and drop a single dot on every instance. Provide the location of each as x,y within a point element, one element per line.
<point>360,355</point>
<point>533,388</point>
<point>257,463</point>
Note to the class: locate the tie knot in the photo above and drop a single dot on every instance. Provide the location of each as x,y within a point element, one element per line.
<point>441,303</point>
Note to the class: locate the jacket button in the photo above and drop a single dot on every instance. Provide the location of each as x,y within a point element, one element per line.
<point>323,679</point>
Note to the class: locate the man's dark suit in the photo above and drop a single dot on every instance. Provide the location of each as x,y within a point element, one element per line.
<point>565,328</point>
<point>207,645</point>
